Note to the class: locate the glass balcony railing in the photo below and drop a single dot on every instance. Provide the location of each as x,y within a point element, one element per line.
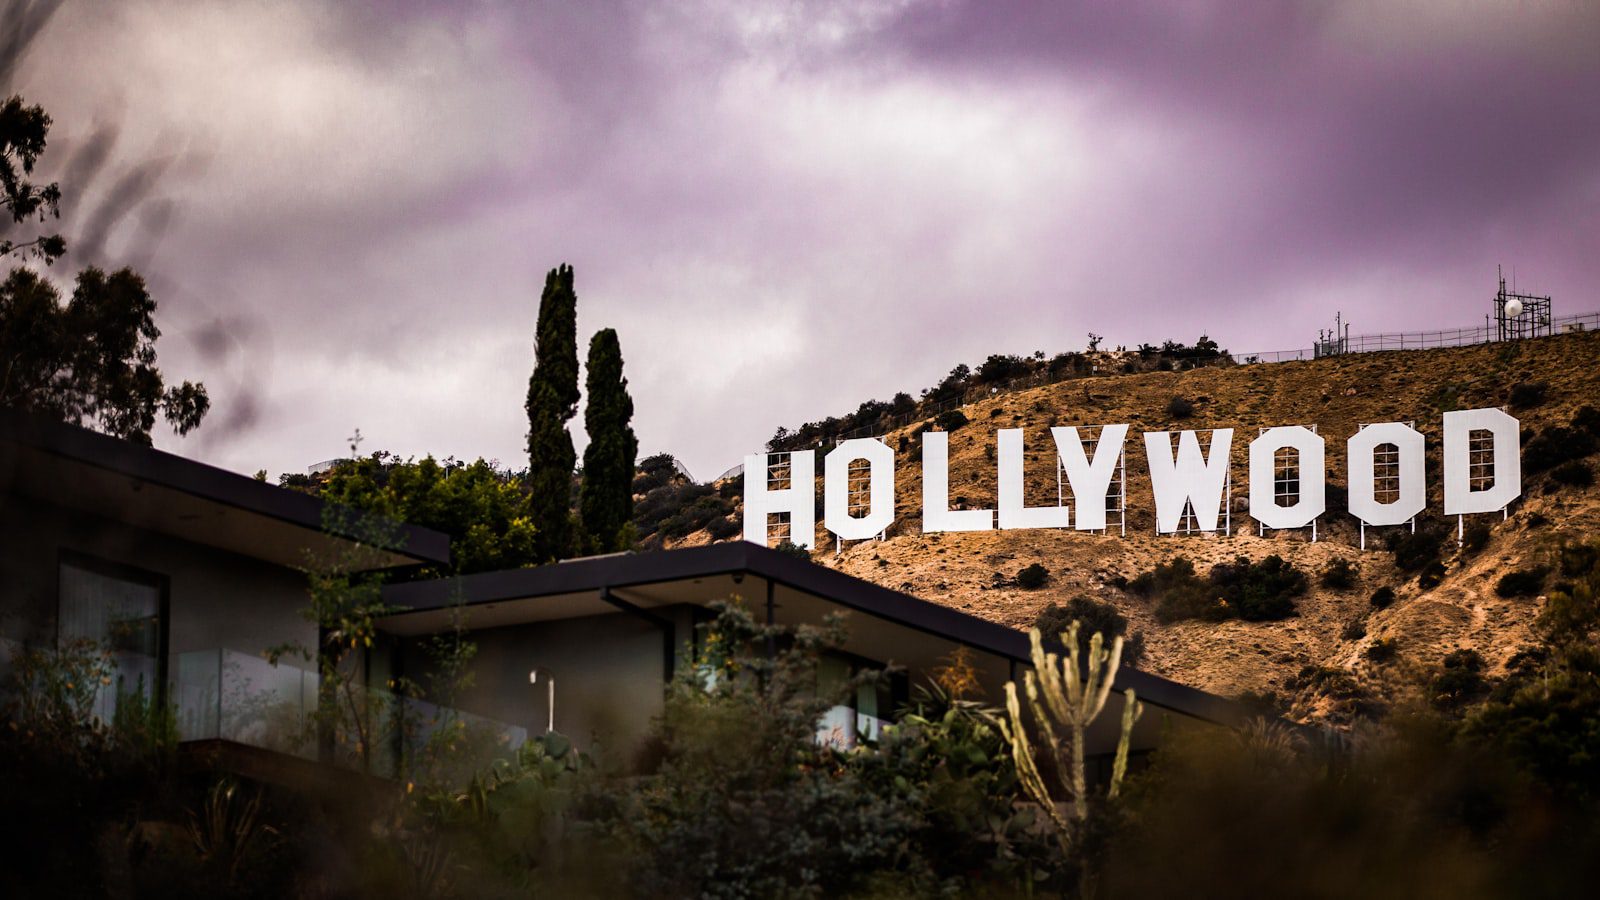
<point>232,696</point>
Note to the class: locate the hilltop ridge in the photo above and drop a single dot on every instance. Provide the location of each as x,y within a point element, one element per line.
<point>1314,665</point>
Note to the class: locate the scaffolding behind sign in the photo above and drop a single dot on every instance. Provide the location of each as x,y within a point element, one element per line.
<point>1116,498</point>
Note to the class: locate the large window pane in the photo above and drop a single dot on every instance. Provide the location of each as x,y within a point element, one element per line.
<point>121,615</point>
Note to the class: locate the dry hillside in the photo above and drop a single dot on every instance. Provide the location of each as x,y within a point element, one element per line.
<point>975,572</point>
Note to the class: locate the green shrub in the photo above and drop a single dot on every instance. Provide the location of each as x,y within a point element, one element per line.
<point>1261,591</point>
<point>1033,576</point>
<point>1460,680</point>
<point>1431,576</point>
<point>1179,593</point>
<point>1255,592</point>
<point>1179,408</point>
<point>1382,650</point>
<point>1095,617</point>
<point>1476,536</point>
<point>1554,446</point>
<point>950,420</point>
<point>1521,583</point>
<point>1528,394</point>
<point>790,548</point>
<point>1573,473</point>
<point>1414,550</point>
<point>1340,574</point>
<point>1579,559</point>
<point>1329,681</point>
<point>1354,630</point>
<point>779,817</point>
<point>722,528</point>
<point>1382,598</point>
<point>1587,420</point>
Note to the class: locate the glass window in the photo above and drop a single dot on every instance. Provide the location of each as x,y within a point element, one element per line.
<point>120,614</point>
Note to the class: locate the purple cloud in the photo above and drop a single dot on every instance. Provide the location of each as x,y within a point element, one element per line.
<point>785,208</point>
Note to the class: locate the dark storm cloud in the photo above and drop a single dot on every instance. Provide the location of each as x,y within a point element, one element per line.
<point>346,210</point>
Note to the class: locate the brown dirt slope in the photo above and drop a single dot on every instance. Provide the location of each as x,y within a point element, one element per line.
<point>975,572</point>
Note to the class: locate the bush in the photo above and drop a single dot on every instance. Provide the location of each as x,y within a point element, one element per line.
<point>1460,680</point>
<point>1578,560</point>
<point>950,420</point>
<point>1095,617</point>
<point>1033,576</point>
<point>1521,583</point>
<point>790,548</point>
<point>1554,446</point>
<point>1476,537</point>
<point>1587,420</point>
<point>1179,408</point>
<point>1413,551</point>
<point>780,817</point>
<point>1179,593</point>
<point>1431,576</point>
<point>721,529</point>
<point>1528,394</point>
<point>1355,630</point>
<point>1382,650</point>
<point>1382,598</point>
<point>1573,473</point>
<point>1340,574</point>
<point>1262,591</point>
<point>1255,592</point>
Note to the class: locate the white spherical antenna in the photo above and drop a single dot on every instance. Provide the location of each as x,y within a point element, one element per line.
<point>1513,308</point>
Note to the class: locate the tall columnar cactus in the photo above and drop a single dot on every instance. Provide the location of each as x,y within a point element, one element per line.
<point>1065,697</point>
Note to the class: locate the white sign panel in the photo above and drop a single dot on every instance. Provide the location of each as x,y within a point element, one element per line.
<point>799,499</point>
<point>1090,481</point>
<point>1193,477</point>
<point>836,491</point>
<point>1311,489</point>
<point>1386,463</point>
<point>1504,464</point>
<point>1406,446</point>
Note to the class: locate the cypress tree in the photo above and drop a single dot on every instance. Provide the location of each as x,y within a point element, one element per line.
<point>605,500</point>
<point>552,400</point>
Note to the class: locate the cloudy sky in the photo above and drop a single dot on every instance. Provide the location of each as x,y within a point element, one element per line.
<point>346,210</point>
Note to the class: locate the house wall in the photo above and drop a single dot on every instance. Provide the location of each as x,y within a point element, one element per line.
<point>217,599</point>
<point>608,670</point>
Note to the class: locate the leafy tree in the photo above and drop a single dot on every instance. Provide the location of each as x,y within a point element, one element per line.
<point>92,361</point>
<point>23,132</point>
<point>552,400</point>
<point>780,815</point>
<point>485,512</point>
<point>606,496</point>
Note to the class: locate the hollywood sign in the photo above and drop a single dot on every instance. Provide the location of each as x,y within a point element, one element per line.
<point>1185,480</point>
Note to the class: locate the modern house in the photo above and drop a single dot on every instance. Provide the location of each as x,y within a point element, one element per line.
<point>189,573</point>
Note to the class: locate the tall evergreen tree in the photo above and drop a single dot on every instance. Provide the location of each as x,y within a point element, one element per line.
<point>605,500</point>
<point>552,400</point>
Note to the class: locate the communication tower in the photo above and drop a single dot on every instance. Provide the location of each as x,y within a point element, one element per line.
<point>1518,316</point>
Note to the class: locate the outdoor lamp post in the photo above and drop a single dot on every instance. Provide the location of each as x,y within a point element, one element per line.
<point>534,675</point>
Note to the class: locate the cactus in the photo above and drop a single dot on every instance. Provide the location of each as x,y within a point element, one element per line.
<point>1065,697</point>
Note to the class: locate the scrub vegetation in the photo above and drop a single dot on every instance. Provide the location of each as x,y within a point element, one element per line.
<point>1258,591</point>
<point>999,373</point>
<point>1489,789</point>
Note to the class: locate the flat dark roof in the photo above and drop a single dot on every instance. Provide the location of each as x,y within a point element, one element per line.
<point>631,569</point>
<point>145,465</point>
